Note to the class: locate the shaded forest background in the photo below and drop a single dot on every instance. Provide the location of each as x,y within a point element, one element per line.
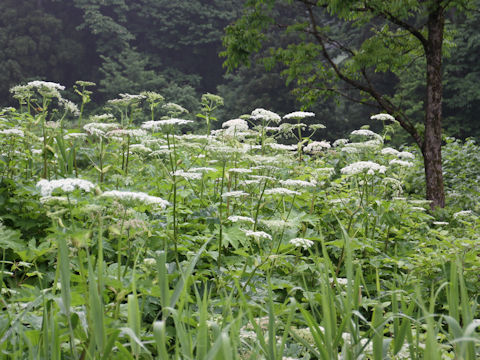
<point>172,47</point>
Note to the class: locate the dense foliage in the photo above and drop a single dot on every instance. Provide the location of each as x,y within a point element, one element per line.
<point>128,235</point>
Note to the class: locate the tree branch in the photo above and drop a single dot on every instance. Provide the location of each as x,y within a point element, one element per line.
<point>399,22</point>
<point>382,102</point>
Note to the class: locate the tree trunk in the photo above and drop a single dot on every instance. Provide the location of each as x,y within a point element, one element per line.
<point>432,144</point>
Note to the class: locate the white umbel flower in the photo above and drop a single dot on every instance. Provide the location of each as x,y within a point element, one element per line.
<point>237,124</point>
<point>234,194</point>
<point>13,132</point>
<point>358,167</point>
<point>281,191</point>
<point>154,125</point>
<point>267,115</point>
<point>405,155</point>
<point>258,234</point>
<point>99,129</point>
<point>301,242</point>
<point>235,218</point>
<point>382,117</point>
<point>389,151</point>
<point>131,196</point>
<point>139,148</point>
<point>70,107</point>
<point>45,84</point>
<point>339,142</point>
<point>136,133</point>
<point>67,185</point>
<point>189,175</point>
<point>276,146</point>
<point>401,163</point>
<point>317,146</point>
<point>299,115</point>
<point>463,213</point>
<point>299,183</point>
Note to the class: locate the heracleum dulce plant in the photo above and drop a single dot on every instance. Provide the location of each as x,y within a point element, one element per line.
<point>140,240</point>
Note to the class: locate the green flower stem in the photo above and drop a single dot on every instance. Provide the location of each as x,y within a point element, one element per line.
<point>220,218</point>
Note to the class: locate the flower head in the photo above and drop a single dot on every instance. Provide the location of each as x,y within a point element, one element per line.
<point>189,175</point>
<point>317,146</point>
<point>13,132</point>
<point>266,115</point>
<point>99,129</point>
<point>154,125</point>
<point>383,117</point>
<point>70,107</point>
<point>281,191</point>
<point>235,218</point>
<point>236,124</point>
<point>67,185</point>
<point>358,167</point>
<point>140,197</point>
<point>299,115</point>
<point>300,242</point>
<point>258,234</point>
<point>234,194</point>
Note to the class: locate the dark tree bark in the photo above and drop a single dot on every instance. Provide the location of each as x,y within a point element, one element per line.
<point>432,144</point>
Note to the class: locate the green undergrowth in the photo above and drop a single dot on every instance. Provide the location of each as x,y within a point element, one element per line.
<point>128,236</point>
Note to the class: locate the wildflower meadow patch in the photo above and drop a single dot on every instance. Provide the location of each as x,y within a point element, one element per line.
<point>141,233</point>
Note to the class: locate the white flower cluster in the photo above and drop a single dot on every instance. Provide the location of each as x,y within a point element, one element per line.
<point>317,146</point>
<point>316,126</point>
<point>67,185</point>
<point>267,115</point>
<point>236,125</point>
<point>358,167</point>
<point>258,234</point>
<point>299,115</point>
<point>405,155</point>
<point>37,84</point>
<point>326,171</point>
<point>365,132</point>
<point>139,148</point>
<point>70,107</point>
<point>13,132</point>
<point>136,133</point>
<point>463,213</point>
<point>389,151</point>
<point>157,124</point>
<point>45,88</point>
<point>301,242</point>
<point>382,117</point>
<point>99,129</point>
<point>281,191</point>
<point>339,142</point>
<point>234,194</point>
<point>126,99</point>
<point>189,175</point>
<point>70,136</point>
<point>102,118</point>
<point>300,183</point>
<point>276,146</point>
<point>272,128</point>
<point>175,108</point>
<point>140,197</point>
<point>235,218</point>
